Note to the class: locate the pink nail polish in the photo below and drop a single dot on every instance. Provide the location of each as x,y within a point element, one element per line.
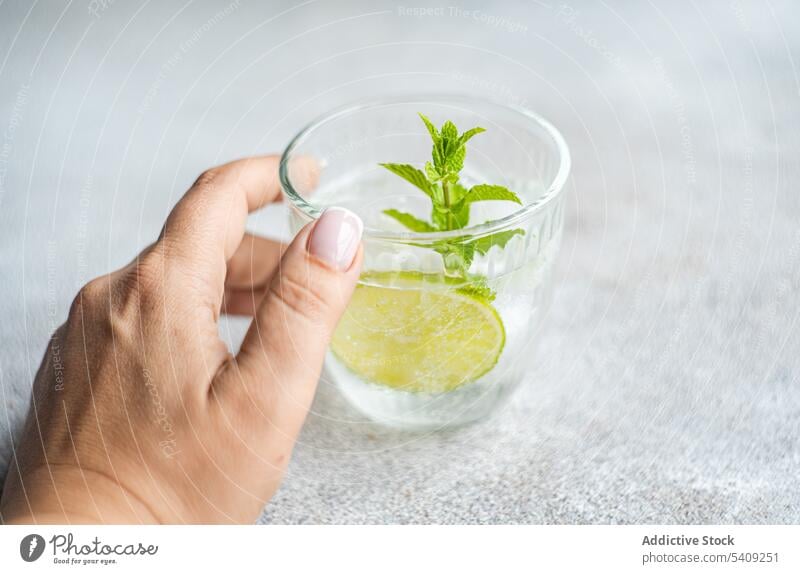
<point>335,237</point>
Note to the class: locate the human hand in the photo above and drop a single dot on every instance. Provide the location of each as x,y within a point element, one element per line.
<point>139,413</point>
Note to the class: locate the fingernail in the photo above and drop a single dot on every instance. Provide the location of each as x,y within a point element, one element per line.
<point>335,237</point>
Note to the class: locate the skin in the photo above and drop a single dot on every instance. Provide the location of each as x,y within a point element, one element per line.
<point>139,413</point>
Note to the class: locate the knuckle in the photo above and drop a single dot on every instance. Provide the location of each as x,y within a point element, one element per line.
<point>208,178</point>
<point>182,222</point>
<point>112,304</point>
<point>90,297</point>
<point>149,274</point>
<point>127,303</point>
<point>153,285</point>
<point>301,297</point>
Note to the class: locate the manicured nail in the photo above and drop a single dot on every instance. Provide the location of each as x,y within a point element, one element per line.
<point>335,237</point>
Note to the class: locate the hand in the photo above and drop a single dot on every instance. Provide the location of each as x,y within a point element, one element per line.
<point>139,413</point>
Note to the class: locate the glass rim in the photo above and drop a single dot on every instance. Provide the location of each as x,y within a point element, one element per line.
<point>553,190</point>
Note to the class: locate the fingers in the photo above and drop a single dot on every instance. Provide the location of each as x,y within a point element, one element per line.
<point>209,220</point>
<point>282,353</point>
<point>249,271</point>
<point>254,262</point>
<point>207,224</point>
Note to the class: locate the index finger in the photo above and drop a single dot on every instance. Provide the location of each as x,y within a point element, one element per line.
<point>207,225</point>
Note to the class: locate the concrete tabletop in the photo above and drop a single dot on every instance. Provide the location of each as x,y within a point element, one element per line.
<point>666,386</point>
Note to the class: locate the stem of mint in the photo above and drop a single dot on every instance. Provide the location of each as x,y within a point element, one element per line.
<point>446,196</point>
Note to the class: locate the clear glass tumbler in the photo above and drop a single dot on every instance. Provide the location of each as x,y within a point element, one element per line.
<point>423,345</point>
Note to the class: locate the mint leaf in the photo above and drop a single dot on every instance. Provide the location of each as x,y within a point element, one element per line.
<point>461,218</point>
<point>483,244</point>
<point>441,217</point>
<point>486,192</point>
<point>467,135</point>
<point>457,257</point>
<point>431,128</point>
<point>449,131</point>
<point>455,161</point>
<point>439,155</point>
<point>446,151</point>
<point>411,175</point>
<point>457,192</point>
<point>446,219</point>
<point>409,221</point>
<point>430,171</point>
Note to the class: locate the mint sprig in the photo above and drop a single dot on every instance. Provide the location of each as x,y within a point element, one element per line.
<point>451,201</point>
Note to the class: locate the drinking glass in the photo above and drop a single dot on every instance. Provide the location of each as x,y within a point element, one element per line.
<point>424,345</point>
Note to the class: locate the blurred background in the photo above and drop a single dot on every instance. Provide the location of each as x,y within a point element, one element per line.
<point>667,385</point>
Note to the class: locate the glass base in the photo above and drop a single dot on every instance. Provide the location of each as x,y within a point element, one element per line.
<point>419,411</point>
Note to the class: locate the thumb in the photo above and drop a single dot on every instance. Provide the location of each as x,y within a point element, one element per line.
<point>293,325</point>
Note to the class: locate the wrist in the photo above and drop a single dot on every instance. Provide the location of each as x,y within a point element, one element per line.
<point>64,494</point>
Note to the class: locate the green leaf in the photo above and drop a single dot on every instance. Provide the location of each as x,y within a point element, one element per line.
<point>409,221</point>
<point>431,128</point>
<point>486,192</point>
<point>439,216</point>
<point>455,161</point>
<point>457,192</point>
<point>449,131</point>
<point>467,135</point>
<point>460,209</point>
<point>439,155</point>
<point>457,257</point>
<point>430,171</point>
<point>460,218</point>
<point>438,195</point>
<point>483,244</point>
<point>457,219</point>
<point>411,175</point>
<point>450,150</point>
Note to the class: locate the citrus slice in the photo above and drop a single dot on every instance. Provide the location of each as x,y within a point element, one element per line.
<point>417,333</point>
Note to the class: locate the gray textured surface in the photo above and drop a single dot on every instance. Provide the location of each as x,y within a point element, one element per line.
<point>667,387</point>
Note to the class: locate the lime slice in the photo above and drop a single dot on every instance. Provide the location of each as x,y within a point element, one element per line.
<point>418,333</point>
